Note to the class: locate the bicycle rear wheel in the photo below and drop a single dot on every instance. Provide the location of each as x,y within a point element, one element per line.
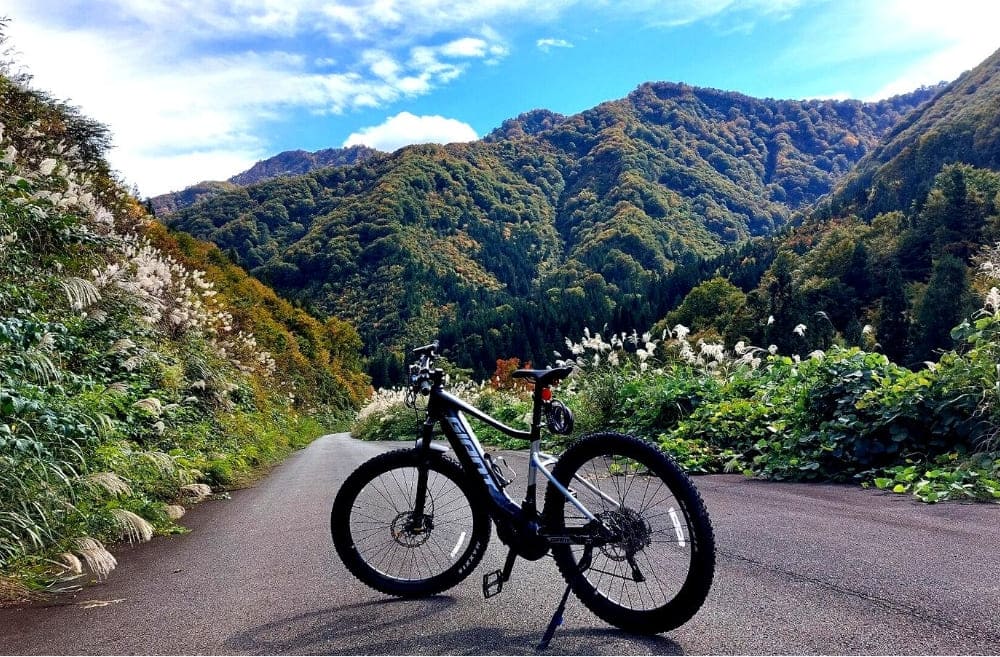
<point>655,572</point>
<point>390,547</point>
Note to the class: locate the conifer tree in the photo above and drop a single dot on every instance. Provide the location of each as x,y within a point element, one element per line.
<point>894,326</point>
<point>942,307</point>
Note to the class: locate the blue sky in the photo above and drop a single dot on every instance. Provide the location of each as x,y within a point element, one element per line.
<point>201,89</point>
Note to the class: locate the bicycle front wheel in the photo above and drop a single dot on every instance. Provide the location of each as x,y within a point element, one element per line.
<point>390,546</point>
<point>652,569</point>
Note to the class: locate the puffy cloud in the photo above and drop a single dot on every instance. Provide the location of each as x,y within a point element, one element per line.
<point>181,89</point>
<point>467,47</point>
<point>175,172</point>
<point>405,128</point>
<point>382,64</point>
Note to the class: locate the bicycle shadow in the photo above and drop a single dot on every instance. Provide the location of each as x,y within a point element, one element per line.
<point>360,629</point>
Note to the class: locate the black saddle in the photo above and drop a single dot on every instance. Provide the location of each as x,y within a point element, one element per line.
<point>543,378</point>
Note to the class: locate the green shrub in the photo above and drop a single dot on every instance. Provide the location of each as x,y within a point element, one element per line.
<point>697,456</point>
<point>122,375</point>
<point>948,477</point>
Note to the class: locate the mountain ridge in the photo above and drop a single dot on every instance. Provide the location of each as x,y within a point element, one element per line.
<point>286,163</point>
<point>887,259</point>
<point>563,220</point>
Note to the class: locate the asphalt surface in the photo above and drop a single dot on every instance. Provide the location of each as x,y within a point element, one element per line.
<point>802,569</point>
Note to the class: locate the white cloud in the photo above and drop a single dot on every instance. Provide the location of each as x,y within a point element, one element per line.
<point>209,108</point>
<point>467,47</point>
<point>547,44</point>
<point>405,128</point>
<point>175,172</point>
<point>678,13</point>
<point>181,89</point>
<point>382,64</point>
<point>960,34</point>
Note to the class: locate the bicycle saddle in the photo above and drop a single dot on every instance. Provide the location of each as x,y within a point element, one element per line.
<point>543,377</point>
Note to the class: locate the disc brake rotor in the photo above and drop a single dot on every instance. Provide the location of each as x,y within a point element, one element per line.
<point>411,531</point>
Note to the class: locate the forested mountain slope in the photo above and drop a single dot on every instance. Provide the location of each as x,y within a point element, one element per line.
<point>961,125</point>
<point>505,245</point>
<point>886,261</point>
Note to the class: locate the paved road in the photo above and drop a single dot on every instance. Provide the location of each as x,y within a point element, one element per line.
<point>802,569</point>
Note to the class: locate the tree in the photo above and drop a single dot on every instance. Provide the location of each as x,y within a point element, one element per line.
<point>894,323</point>
<point>944,304</point>
<point>857,275</point>
<point>713,304</point>
<point>783,311</point>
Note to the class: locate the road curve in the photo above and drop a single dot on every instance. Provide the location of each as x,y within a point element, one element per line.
<point>802,569</point>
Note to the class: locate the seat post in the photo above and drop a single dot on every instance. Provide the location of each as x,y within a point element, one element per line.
<point>536,411</point>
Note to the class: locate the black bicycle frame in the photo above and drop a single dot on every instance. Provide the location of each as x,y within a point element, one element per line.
<point>448,410</point>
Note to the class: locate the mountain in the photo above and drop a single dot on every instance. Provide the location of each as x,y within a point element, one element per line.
<point>165,204</point>
<point>886,260</point>
<point>526,125</point>
<point>505,245</point>
<point>288,163</point>
<point>294,163</point>
<point>962,124</point>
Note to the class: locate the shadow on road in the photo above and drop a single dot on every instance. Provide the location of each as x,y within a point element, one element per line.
<point>374,628</point>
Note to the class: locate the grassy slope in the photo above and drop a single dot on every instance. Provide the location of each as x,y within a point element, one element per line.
<point>137,369</point>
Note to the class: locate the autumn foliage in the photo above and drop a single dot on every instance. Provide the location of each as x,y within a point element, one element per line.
<point>503,378</point>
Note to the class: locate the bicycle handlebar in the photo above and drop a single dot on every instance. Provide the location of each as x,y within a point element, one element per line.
<point>428,349</point>
<point>421,379</point>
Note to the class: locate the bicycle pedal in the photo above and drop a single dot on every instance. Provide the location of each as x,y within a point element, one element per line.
<point>492,583</point>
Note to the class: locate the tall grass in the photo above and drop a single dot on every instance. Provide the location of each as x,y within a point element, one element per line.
<point>128,388</point>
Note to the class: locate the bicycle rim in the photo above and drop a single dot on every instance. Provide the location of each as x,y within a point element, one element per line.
<point>654,566</point>
<point>648,564</point>
<point>401,546</point>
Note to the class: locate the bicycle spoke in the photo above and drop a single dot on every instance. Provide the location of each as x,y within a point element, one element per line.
<point>399,545</point>
<point>646,565</point>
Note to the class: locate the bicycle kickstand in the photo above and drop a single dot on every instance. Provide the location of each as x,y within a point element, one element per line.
<point>557,617</point>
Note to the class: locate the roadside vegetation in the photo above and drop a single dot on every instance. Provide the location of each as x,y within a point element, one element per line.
<point>843,415</point>
<point>139,371</point>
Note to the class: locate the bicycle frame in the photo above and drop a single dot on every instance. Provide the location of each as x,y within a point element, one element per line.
<point>449,411</point>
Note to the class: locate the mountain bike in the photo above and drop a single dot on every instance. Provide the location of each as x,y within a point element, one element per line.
<point>625,525</point>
